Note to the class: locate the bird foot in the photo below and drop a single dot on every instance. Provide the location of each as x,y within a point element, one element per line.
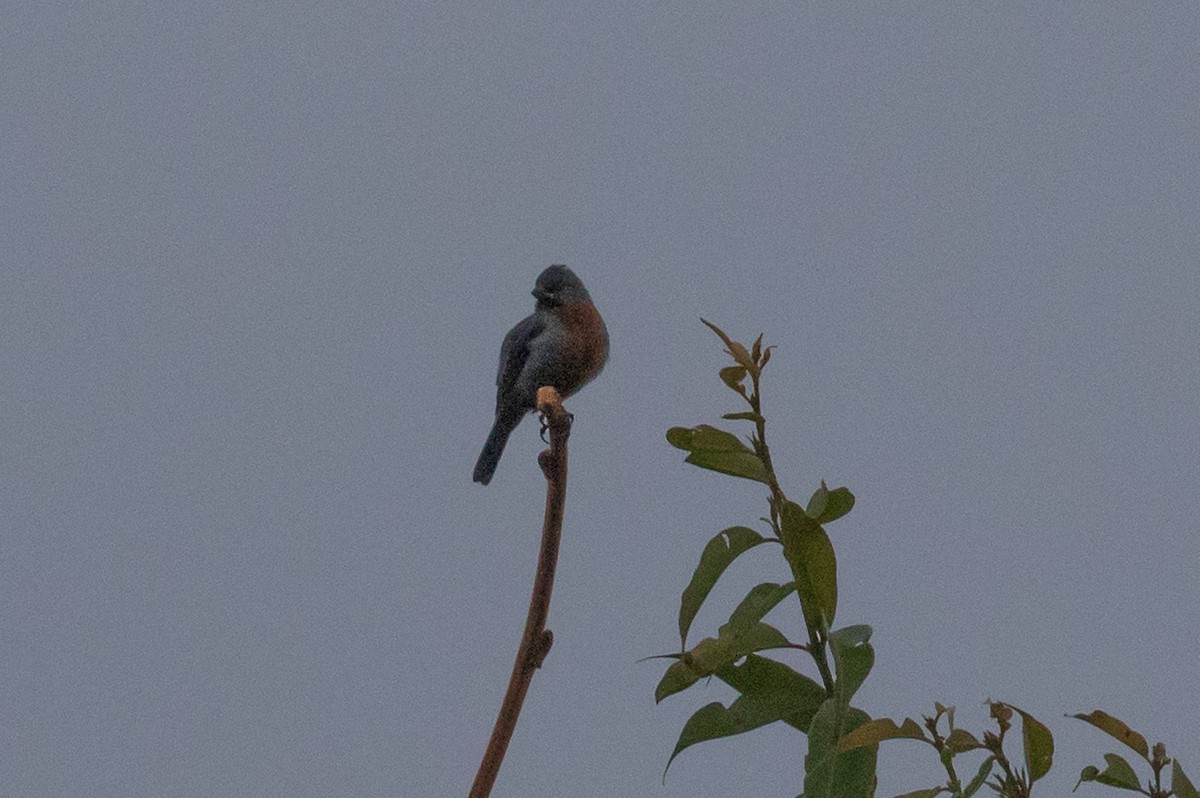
<point>546,425</point>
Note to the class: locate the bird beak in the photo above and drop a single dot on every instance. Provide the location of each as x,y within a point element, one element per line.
<point>540,293</point>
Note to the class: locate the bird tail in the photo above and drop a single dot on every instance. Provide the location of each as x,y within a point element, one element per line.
<point>489,458</point>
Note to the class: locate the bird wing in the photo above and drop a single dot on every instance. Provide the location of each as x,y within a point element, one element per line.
<point>515,351</point>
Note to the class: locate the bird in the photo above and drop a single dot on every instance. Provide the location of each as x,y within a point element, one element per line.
<point>563,344</point>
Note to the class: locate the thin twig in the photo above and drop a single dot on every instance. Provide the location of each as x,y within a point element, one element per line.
<point>537,639</point>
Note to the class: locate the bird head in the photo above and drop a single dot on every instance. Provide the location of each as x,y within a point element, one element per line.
<point>558,285</point>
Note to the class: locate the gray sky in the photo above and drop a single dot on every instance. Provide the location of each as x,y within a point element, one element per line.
<point>256,266</point>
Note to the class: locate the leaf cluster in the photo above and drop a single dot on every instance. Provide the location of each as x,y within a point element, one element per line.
<point>843,740</point>
<point>770,689</point>
<point>1005,779</point>
<point>1119,773</point>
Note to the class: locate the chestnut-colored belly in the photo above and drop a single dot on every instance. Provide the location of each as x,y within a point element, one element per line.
<point>586,346</point>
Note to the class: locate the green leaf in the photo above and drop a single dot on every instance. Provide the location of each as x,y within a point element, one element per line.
<point>711,654</point>
<point>770,691</point>
<point>1180,783</point>
<point>746,415</point>
<point>794,697</point>
<point>736,350</point>
<point>828,773</point>
<point>961,740</point>
<point>985,770</point>
<point>759,601</point>
<point>816,502</point>
<point>768,695</point>
<point>704,436</point>
<point>854,635</point>
<point>756,350</point>
<point>1119,773</point>
<point>719,552</point>
<point>874,732</point>
<point>853,657</point>
<point>813,562</point>
<point>1038,744</point>
<point>1117,729</point>
<point>733,376</point>
<point>930,793</point>
<point>718,450</point>
<point>679,676</point>
<point>734,642</point>
<point>709,722</point>
<point>829,505</point>
<point>735,464</point>
<point>1089,773</point>
<point>681,437</point>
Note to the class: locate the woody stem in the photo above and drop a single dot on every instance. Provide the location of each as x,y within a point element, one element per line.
<point>536,639</point>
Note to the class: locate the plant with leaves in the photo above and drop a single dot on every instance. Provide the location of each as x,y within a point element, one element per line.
<point>843,741</point>
<point>770,690</point>
<point>1007,780</point>
<point>1119,773</point>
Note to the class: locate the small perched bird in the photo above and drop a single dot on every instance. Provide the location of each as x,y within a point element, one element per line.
<point>564,344</point>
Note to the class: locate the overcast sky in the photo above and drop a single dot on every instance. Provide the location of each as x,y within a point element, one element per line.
<point>256,262</point>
